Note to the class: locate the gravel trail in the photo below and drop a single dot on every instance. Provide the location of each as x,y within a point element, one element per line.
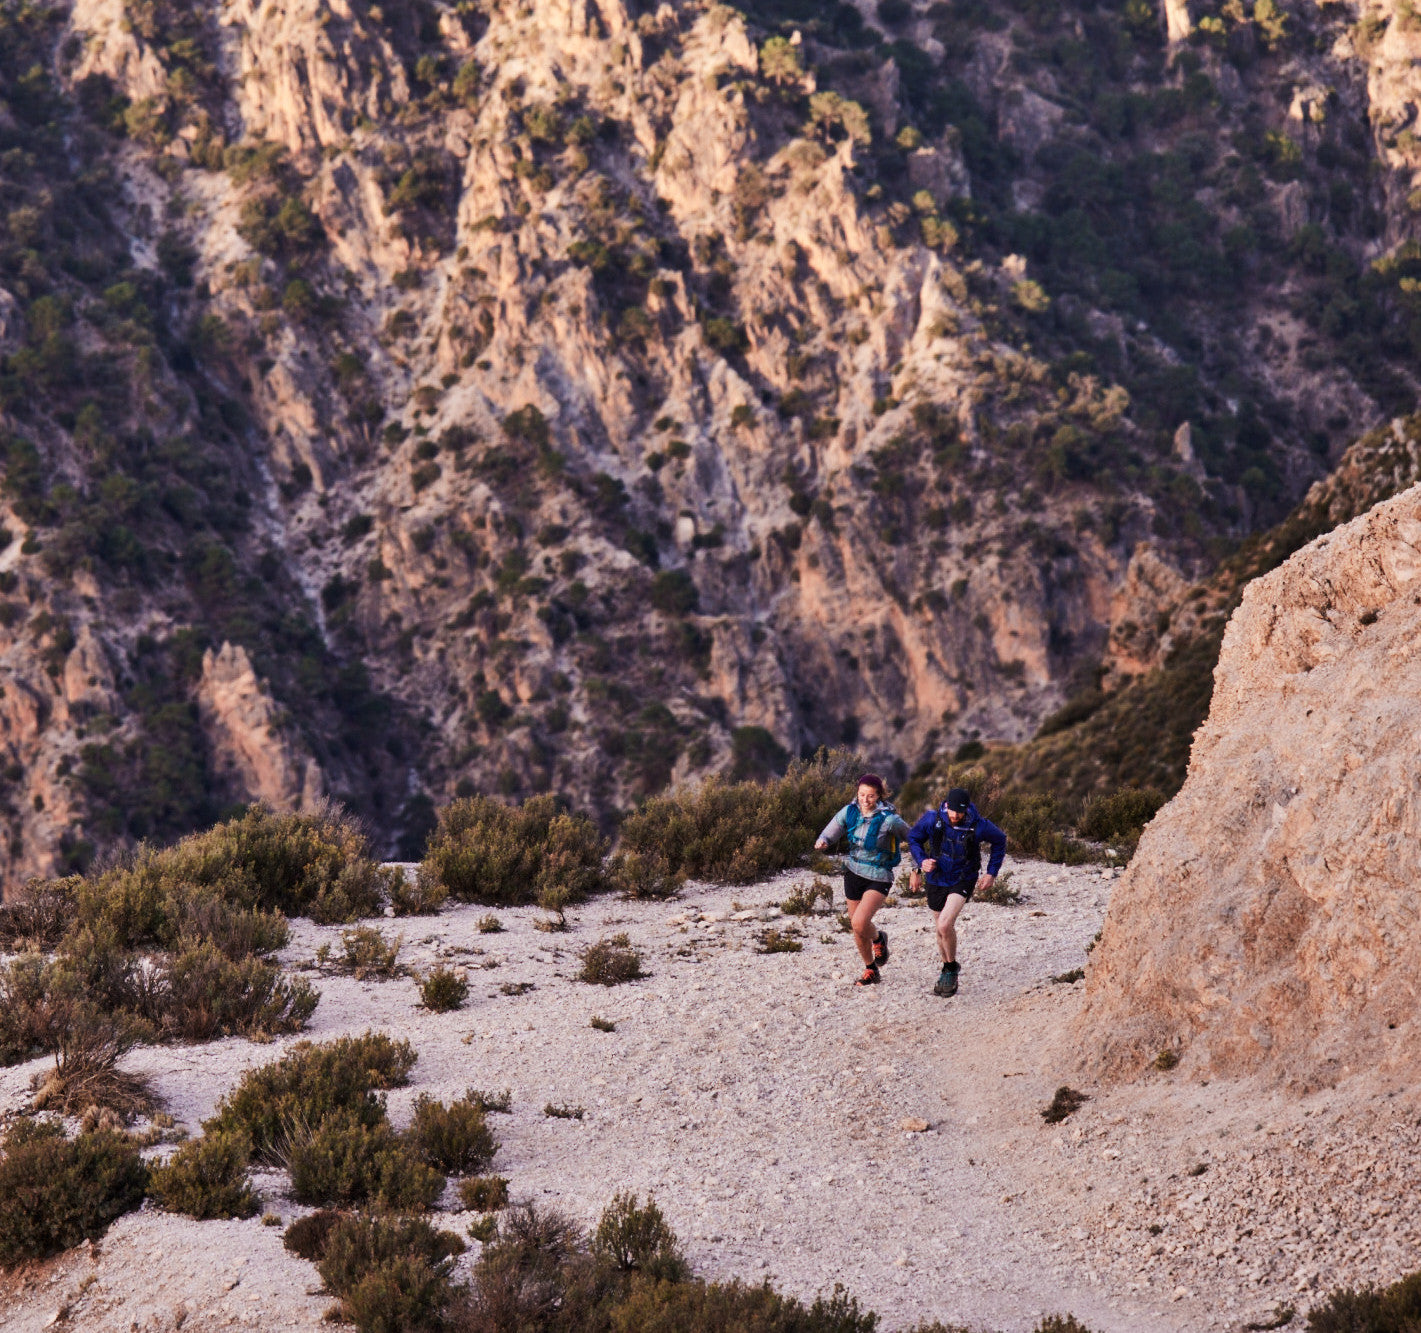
<point>761,1099</point>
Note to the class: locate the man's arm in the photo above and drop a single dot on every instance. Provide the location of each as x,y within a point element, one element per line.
<point>917,838</point>
<point>988,832</point>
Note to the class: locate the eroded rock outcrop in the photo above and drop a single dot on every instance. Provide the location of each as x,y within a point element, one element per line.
<point>1269,920</point>
<point>243,724</point>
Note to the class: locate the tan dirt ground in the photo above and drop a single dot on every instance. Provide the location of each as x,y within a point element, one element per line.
<point>760,1098</point>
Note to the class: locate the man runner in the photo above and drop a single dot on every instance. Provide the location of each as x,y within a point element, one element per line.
<point>946,845</point>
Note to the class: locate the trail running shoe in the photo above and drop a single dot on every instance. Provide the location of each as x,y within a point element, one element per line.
<point>869,978</point>
<point>947,982</point>
<point>880,949</point>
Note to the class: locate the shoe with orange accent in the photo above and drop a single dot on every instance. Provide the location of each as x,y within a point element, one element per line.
<point>869,978</point>
<point>880,949</point>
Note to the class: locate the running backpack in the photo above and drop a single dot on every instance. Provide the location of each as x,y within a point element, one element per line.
<point>888,856</point>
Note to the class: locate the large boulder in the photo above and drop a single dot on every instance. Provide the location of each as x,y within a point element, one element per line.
<point>1271,919</point>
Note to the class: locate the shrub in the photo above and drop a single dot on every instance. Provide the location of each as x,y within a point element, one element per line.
<point>484,1229</point>
<point>309,1083</point>
<point>316,864</point>
<point>1166,1060</point>
<point>1061,1323</point>
<point>207,1178</point>
<point>86,1071</point>
<point>38,915</point>
<point>490,924</point>
<point>485,852</point>
<point>1066,1102</point>
<point>700,1307</point>
<point>306,1238</point>
<point>779,941</point>
<point>443,990</point>
<point>646,875</point>
<point>563,1111</point>
<point>601,1024</point>
<point>629,1237</point>
<point>347,1162</point>
<point>738,833</point>
<point>56,1192</point>
<point>29,1018</point>
<point>455,1139</point>
<point>484,1194</point>
<point>211,995</point>
<point>1121,817</point>
<point>1003,892</point>
<point>610,962</point>
<point>391,1274</point>
<point>803,897</point>
<point>418,895</point>
<point>490,1102</point>
<point>1393,1309</point>
<point>369,954</point>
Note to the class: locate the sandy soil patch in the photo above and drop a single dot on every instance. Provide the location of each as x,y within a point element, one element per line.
<point>761,1098</point>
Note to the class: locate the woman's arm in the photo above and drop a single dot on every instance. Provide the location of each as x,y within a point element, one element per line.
<point>833,831</point>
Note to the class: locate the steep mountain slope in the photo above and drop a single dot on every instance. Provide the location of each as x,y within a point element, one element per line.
<point>406,399</point>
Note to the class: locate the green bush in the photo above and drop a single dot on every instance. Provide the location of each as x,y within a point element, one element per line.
<point>484,1194</point>
<point>629,1237</point>
<point>29,1023</point>
<point>307,1236</point>
<point>646,875</point>
<point>38,915</point>
<point>391,1275</point>
<point>702,1307</point>
<point>537,1270</point>
<point>309,1083</point>
<point>485,852</point>
<point>207,1178</point>
<point>610,962</point>
<point>56,1192</point>
<point>369,954</point>
<point>739,833</point>
<point>210,995</point>
<point>1393,1309</point>
<point>443,990</point>
<point>347,1162</point>
<point>454,1139</point>
<point>1061,1323</point>
<point>1121,817</point>
<point>418,895</point>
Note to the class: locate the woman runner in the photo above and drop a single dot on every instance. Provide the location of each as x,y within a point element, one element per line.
<point>874,829</point>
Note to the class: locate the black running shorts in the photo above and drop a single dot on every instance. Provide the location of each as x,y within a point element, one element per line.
<point>938,893</point>
<point>855,886</point>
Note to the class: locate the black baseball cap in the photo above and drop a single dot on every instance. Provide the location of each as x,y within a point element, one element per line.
<point>958,800</point>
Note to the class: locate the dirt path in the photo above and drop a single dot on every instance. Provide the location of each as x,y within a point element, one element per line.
<point>760,1098</point>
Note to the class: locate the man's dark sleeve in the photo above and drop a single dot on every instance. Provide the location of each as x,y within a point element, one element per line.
<point>918,836</point>
<point>988,832</point>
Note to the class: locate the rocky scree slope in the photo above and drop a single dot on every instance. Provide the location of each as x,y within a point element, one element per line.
<point>1267,920</point>
<point>415,399</point>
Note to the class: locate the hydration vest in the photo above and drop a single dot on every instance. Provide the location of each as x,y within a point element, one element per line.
<point>887,857</point>
<point>966,843</point>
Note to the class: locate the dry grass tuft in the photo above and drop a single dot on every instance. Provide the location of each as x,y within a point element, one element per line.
<point>86,1071</point>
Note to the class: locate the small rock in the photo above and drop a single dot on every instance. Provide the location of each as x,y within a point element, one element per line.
<point>913,1125</point>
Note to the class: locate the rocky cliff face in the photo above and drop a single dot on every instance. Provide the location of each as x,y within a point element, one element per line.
<point>1269,920</point>
<point>583,396</point>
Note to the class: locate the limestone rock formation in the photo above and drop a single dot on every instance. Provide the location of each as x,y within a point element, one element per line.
<point>1269,920</point>
<point>253,756</point>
